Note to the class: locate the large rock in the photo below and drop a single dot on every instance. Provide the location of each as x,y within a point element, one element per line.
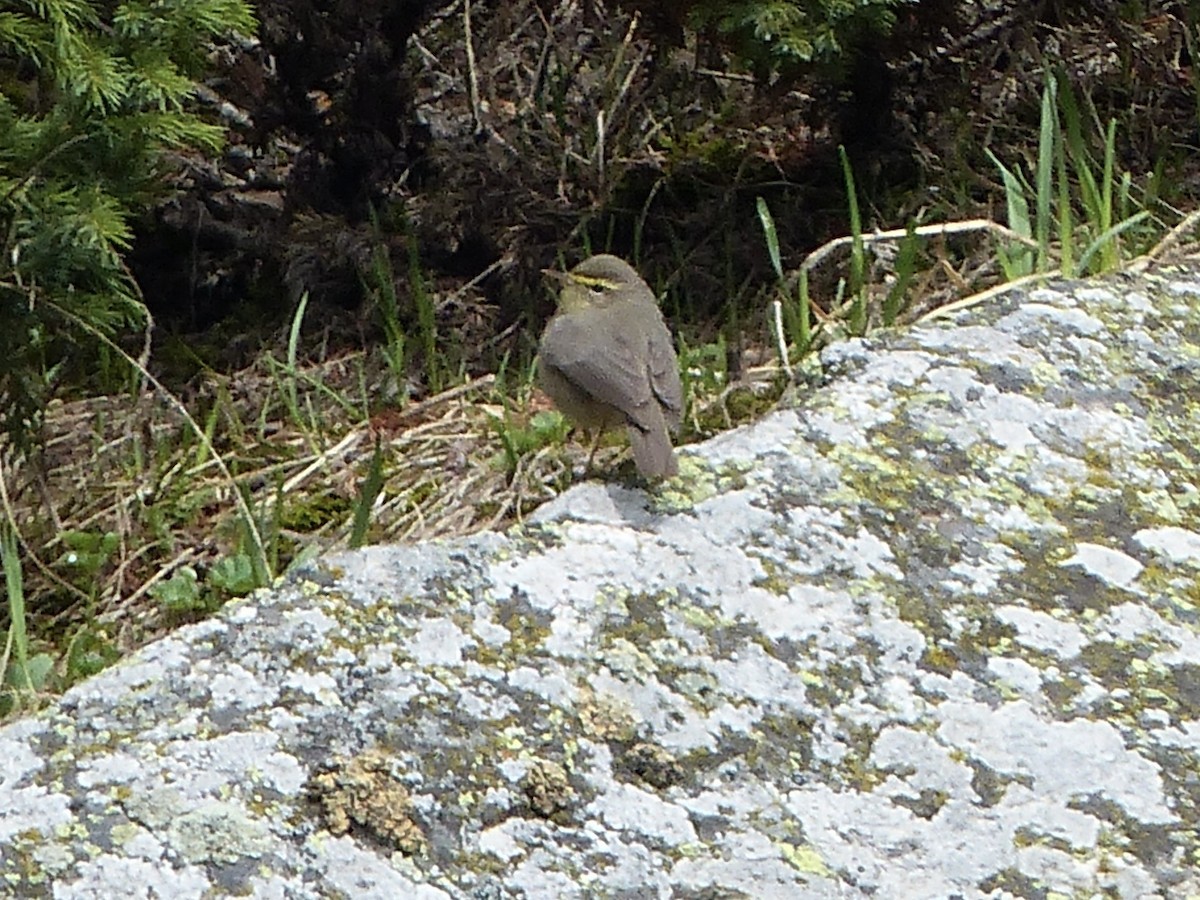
<point>932,633</point>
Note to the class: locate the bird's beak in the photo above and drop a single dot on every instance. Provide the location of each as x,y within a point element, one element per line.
<point>555,275</point>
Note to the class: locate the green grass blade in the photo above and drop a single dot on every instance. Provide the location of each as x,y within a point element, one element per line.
<point>371,487</point>
<point>1081,162</point>
<point>1066,216</point>
<point>1110,235</point>
<point>802,331</point>
<point>1015,200</point>
<point>18,640</point>
<point>426,317</point>
<point>1110,256</point>
<point>1016,261</point>
<point>906,265</point>
<point>858,256</point>
<point>1045,169</point>
<point>291,374</point>
<point>768,227</point>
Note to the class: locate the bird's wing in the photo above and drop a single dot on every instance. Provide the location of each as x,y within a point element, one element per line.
<point>664,376</point>
<point>614,373</point>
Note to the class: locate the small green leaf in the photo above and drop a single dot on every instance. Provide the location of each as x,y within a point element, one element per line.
<point>180,592</point>
<point>234,575</point>
<point>31,676</point>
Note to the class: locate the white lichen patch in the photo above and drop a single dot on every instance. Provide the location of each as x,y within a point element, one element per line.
<point>1043,631</point>
<point>639,813</point>
<point>1063,762</point>
<point>1177,545</point>
<point>219,833</point>
<point>1113,567</point>
<point>32,809</point>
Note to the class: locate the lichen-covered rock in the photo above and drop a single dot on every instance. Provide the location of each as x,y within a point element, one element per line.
<point>933,632</point>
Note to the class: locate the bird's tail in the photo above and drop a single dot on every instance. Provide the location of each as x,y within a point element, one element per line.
<point>652,450</point>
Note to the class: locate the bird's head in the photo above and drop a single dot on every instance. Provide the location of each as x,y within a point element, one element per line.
<point>598,281</point>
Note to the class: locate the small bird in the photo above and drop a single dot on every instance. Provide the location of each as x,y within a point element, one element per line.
<point>606,358</point>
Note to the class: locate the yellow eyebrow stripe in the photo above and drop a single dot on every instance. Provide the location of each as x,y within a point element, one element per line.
<point>590,280</point>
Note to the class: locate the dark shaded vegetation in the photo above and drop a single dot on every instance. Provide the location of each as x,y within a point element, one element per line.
<point>576,127</point>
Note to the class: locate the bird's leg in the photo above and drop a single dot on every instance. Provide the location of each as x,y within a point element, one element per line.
<point>587,469</point>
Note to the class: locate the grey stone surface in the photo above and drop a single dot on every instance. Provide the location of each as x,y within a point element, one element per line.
<point>933,632</point>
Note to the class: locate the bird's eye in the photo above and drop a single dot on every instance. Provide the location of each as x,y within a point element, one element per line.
<point>596,288</point>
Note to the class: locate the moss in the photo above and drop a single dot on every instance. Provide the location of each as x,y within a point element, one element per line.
<point>781,743</point>
<point>1143,683</point>
<point>737,406</point>
<point>774,579</point>
<point>876,478</point>
<point>695,483</point>
<point>1012,883</point>
<point>1109,662</point>
<point>28,875</point>
<point>837,682</point>
<point>528,631</point>
<point>1148,843</point>
<point>1029,837</point>
<point>854,769</point>
<point>307,513</point>
<point>1062,692</point>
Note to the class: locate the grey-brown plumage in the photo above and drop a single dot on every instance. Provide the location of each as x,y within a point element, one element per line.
<point>606,358</point>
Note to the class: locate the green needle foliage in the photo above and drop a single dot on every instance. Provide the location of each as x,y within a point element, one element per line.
<point>776,34</point>
<point>91,95</point>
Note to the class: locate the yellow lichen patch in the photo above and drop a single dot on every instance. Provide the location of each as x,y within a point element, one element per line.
<point>805,859</point>
<point>366,791</point>
<point>605,718</point>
